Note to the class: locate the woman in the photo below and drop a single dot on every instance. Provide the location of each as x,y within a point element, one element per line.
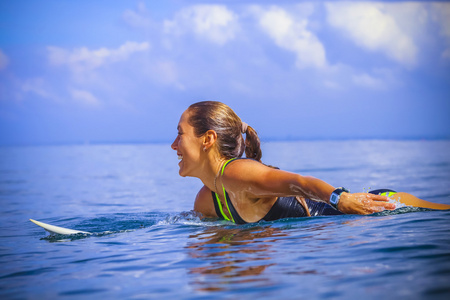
<point>210,144</point>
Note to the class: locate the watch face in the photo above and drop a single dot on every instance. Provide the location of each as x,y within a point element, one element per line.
<point>333,198</point>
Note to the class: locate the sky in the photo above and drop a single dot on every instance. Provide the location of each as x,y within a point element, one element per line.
<point>124,71</point>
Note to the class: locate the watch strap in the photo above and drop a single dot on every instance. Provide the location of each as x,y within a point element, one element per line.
<point>336,196</point>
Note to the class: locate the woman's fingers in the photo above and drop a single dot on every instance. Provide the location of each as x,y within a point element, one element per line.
<point>364,203</point>
<point>382,206</point>
<point>382,202</point>
<point>378,197</point>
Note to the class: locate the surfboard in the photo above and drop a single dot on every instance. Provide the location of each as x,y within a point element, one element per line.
<point>57,229</point>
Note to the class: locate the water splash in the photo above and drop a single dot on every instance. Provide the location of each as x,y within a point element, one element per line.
<point>398,203</point>
<point>190,218</point>
<point>127,222</point>
<point>402,210</point>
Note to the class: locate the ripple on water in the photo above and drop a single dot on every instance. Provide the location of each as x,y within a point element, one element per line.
<point>33,272</point>
<point>82,292</point>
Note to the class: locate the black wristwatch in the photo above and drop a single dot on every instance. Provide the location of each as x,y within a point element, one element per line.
<point>336,196</point>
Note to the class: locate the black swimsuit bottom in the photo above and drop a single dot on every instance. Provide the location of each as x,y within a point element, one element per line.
<point>287,207</point>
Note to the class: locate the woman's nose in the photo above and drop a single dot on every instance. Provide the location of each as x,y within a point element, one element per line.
<point>174,144</point>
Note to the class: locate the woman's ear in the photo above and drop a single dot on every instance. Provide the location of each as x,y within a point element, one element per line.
<point>209,139</point>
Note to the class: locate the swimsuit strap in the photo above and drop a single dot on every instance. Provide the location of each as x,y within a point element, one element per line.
<point>220,207</point>
<point>225,164</point>
<point>225,196</point>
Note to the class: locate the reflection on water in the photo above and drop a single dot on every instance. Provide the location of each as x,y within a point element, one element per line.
<point>235,257</point>
<point>232,255</point>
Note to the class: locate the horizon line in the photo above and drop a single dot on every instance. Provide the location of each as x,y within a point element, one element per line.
<point>263,140</point>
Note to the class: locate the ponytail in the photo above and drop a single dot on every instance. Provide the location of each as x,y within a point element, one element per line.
<point>252,144</point>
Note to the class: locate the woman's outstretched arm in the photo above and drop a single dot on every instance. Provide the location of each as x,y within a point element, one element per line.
<point>258,181</point>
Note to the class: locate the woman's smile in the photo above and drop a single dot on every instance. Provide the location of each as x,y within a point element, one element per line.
<point>187,145</point>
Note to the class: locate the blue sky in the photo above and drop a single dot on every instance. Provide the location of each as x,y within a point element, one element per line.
<point>124,71</point>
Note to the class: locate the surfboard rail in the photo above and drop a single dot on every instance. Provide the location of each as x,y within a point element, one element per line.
<point>57,229</point>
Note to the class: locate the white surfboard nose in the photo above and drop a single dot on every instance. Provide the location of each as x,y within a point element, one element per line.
<point>57,229</point>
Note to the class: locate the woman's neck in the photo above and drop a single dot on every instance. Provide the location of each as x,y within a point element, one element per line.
<point>211,174</point>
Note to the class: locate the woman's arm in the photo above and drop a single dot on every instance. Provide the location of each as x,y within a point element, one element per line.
<point>259,181</point>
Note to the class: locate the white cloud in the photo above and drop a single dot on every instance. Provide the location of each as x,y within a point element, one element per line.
<point>214,23</point>
<point>441,15</point>
<point>368,81</point>
<point>371,26</point>
<point>292,35</point>
<point>39,86</point>
<point>83,59</point>
<point>84,97</point>
<point>4,61</point>
<point>36,86</point>
<point>139,18</point>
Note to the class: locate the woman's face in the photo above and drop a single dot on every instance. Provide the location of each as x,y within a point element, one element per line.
<point>188,146</point>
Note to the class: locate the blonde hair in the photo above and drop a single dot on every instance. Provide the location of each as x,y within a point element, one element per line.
<point>213,115</point>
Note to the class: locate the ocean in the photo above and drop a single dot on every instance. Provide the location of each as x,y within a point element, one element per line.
<point>148,244</point>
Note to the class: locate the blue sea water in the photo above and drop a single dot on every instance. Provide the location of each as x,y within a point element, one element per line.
<point>147,244</point>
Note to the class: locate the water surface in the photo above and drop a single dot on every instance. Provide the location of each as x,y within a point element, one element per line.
<point>148,245</point>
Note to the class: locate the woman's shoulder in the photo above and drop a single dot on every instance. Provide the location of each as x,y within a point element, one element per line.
<point>242,163</point>
<point>242,166</point>
<point>242,173</point>
<point>204,203</point>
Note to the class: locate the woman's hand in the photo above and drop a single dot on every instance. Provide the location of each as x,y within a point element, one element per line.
<point>363,203</point>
